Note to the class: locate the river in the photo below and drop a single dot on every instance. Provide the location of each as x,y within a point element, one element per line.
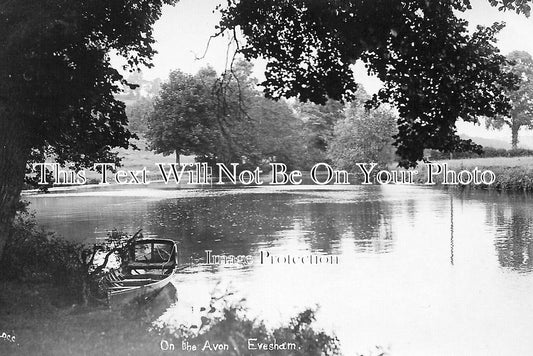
<point>421,271</point>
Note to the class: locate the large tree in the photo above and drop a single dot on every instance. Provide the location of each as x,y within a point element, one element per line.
<point>183,115</point>
<point>521,114</point>
<point>433,69</point>
<point>224,119</point>
<point>57,85</point>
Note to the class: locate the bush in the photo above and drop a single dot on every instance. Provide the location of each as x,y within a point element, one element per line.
<point>32,254</point>
<point>226,323</point>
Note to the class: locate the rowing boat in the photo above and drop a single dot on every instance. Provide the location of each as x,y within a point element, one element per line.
<point>149,267</point>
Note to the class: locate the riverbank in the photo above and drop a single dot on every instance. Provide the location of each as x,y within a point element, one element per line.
<point>40,323</point>
<point>31,323</point>
<point>43,310</point>
<point>511,173</point>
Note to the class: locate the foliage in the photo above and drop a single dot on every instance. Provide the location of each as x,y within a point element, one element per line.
<point>521,113</point>
<point>28,312</point>
<point>514,179</point>
<point>487,152</point>
<point>519,6</point>
<point>57,85</point>
<point>56,74</point>
<point>227,322</point>
<point>224,119</point>
<point>32,254</point>
<point>363,136</point>
<point>433,69</point>
<point>143,88</point>
<point>138,114</point>
<point>183,114</point>
<point>139,101</point>
<point>319,121</point>
<point>276,135</point>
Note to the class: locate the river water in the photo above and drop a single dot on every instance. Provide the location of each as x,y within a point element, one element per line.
<point>421,271</point>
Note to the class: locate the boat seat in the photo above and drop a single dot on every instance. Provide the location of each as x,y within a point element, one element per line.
<point>146,276</point>
<point>134,282</point>
<point>118,288</point>
<point>143,265</point>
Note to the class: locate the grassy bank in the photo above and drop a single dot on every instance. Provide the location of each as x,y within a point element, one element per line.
<point>512,173</point>
<point>36,315</point>
<point>28,313</point>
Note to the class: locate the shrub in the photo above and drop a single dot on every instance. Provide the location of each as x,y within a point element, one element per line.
<point>32,254</point>
<point>224,322</point>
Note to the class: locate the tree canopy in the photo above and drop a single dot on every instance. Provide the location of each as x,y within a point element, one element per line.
<point>521,114</point>
<point>319,123</point>
<point>57,85</point>
<point>56,76</point>
<point>362,135</point>
<point>223,119</point>
<point>434,70</point>
<point>183,114</point>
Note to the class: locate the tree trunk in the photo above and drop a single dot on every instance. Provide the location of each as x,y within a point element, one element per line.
<point>14,151</point>
<point>177,157</point>
<point>514,136</point>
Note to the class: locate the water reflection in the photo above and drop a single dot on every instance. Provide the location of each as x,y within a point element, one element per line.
<point>241,222</point>
<point>513,220</point>
<point>451,229</point>
<point>234,223</point>
<point>238,224</point>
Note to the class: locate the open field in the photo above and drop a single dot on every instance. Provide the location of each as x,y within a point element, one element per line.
<point>137,159</point>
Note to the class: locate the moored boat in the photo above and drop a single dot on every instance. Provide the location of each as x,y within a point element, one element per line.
<point>150,265</point>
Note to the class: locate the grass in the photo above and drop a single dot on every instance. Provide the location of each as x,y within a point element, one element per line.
<point>501,162</point>
<point>512,173</point>
<point>135,160</point>
<point>42,328</point>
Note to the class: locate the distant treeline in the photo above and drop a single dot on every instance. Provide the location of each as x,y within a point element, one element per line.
<point>487,152</point>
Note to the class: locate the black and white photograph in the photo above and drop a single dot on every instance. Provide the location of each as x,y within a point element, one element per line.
<point>266,177</point>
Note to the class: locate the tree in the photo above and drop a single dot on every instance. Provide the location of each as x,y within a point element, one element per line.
<point>277,135</point>
<point>57,85</point>
<point>223,119</point>
<point>363,136</point>
<point>435,72</point>
<point>521,113</point>
<point>319,123</point>
<point>519,6</point>
<point>184,114</point>
<point>138,114</point>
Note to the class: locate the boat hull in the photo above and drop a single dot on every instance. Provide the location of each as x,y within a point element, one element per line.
<point>150,266</point>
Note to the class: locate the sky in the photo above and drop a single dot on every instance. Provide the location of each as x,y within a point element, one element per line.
<point>183,31</point>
